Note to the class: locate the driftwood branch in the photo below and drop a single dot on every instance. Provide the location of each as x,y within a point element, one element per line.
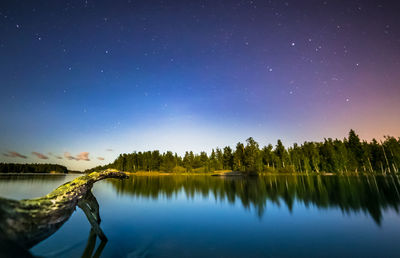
<point>90,207</point>
<point>27,222</point>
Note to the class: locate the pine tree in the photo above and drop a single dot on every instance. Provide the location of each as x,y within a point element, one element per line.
<point>238,157</point>
<point>228,158</point>
<point>252,157</point>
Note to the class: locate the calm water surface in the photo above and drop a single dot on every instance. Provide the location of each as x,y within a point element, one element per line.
<point>204,216</point>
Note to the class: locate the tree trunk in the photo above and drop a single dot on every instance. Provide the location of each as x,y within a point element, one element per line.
<point>28,222</point>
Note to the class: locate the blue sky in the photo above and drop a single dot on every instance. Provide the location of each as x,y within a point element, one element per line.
<point>129,76</point>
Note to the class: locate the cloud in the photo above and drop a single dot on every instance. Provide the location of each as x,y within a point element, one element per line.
<point>68,156</point>
<point>109,150</point>
<point>14,154</point>
<point>100,158</point>
<point>83,156</point>
<point>58,157</point>
<point>40,155</point>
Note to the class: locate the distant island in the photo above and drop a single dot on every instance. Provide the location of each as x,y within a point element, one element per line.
<point>32,168</point>
<point>350,155</point>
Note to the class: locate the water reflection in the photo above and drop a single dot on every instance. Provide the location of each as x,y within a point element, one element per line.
<point>351,194</point>
<point>91,244</point>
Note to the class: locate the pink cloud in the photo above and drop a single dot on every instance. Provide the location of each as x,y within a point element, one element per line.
<point>14,154</point>
<point>83,156</point>
<point>39,155</point>
<point>100,158</point>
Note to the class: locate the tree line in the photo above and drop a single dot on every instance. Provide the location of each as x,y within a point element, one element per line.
<point>336,156</point>
<point>31,168</point>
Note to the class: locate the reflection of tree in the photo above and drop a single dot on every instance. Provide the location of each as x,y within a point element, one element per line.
<point>368,194</point>
<point>90,207</point>
<point>91,244</point>
<point>25,223</point>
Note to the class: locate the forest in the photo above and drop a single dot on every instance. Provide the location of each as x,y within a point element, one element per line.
<point>332,156</point>
<point>31,168</point>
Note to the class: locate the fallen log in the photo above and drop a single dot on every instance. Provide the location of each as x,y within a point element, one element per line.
<point>25,223</point>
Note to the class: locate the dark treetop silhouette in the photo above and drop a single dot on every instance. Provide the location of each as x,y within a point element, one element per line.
<point>32,168</point>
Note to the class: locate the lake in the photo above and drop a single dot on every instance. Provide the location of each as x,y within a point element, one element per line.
<point>205,216</point>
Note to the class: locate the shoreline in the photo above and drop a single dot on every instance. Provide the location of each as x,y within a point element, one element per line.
<point>214,174</point>
<point>36,174</point>
<point>240,174</point>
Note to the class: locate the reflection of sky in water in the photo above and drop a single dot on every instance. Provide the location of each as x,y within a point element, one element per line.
<point>199,225</point>
<point>27,187</point>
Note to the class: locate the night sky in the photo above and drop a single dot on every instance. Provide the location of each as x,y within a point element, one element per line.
<point>83,81</point>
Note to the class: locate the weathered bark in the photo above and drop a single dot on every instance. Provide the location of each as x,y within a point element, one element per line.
<point>28,222</point>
